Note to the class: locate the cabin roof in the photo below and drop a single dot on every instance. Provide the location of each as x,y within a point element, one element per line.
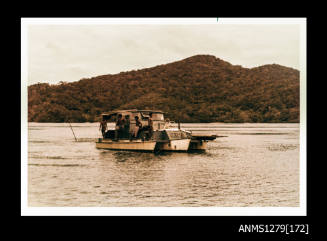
<point>114,112</point>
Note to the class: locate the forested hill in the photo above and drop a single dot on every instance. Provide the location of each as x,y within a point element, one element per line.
<point>201,88</point>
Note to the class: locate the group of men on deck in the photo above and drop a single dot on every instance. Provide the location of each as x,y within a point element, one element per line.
<point>123,127</point>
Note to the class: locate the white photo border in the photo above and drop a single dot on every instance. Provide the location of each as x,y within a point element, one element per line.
<point>163,211</point>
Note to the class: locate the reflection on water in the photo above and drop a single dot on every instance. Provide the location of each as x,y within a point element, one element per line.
<point>253,165</point>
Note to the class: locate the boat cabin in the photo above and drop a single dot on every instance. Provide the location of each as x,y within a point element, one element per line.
<point>159,122</point>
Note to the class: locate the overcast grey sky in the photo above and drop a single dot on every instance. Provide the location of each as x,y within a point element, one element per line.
<point>71,52</point>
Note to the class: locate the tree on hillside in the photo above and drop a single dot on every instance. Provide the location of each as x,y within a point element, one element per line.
<point>201,88</point>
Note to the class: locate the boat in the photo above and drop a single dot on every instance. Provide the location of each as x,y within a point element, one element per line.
<point>163,138</point>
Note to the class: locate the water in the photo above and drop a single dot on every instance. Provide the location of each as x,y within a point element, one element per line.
<point>255,165</point>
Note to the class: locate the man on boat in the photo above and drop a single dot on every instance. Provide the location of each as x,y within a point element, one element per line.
<point>127,126</point>
<point>167,123</point>
<point>150,124</point>
<point>103,127</point>
<point>119,128</point>
<point>137,127</point>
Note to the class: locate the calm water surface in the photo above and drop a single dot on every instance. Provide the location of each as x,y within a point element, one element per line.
<point>253,165</point>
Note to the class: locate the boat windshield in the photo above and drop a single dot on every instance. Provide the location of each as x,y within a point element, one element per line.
<point>157,116</point>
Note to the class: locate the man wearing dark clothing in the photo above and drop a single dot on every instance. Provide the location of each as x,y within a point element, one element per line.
<point>119,128</point>
<point>103,127</point>
<point>138,126</point>
<point>127,126</point>
<point>150,124</point>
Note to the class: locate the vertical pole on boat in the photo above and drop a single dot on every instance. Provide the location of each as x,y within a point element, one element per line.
<point>179,125</point>
<point>72,130</point>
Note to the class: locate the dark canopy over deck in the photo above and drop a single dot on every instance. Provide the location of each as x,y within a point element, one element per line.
<point>144,113</point>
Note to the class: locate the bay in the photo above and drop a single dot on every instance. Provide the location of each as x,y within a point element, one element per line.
<point>249,165</point>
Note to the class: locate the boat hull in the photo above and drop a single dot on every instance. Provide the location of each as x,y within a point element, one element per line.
<point>153,145</point>
<point>126,145</point>
<point>174,145</point>
<point>198,145</point>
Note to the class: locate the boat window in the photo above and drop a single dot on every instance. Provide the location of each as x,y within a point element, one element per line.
<point>105,117</point>
<point>157,116</point>
<point>144,116</point>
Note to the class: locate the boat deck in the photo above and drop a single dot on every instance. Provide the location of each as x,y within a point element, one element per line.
<point>204,137</point>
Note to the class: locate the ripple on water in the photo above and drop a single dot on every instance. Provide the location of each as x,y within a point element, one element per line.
<point>282,147</point>
<point>56,165</point>
<point>245,168</point>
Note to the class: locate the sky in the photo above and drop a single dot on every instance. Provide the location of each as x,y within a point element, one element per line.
<point>72,52</point>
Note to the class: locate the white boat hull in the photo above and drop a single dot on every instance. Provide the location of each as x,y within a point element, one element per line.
<point>152,145</point>
<point>174,145</point>
<point>137,145</point>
